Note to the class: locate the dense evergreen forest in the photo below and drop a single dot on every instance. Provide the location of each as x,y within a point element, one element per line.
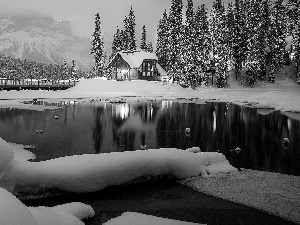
<point>246,38</point>
<point>11,68</point>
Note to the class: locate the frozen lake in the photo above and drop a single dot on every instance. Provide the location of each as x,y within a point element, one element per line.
<point>99,127</point>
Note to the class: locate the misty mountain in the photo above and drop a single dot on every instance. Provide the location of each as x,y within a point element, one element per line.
<point>42,39</point>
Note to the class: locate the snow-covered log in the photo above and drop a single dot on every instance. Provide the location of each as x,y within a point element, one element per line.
<point>90,172</point>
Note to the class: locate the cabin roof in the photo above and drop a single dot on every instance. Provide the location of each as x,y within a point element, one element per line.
<point>161,70</point>
<point>134,58</point>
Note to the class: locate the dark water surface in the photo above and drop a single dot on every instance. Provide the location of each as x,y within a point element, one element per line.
<point>104,127</point>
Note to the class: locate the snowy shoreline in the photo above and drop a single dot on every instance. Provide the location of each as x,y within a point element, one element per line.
<point>283,98</point>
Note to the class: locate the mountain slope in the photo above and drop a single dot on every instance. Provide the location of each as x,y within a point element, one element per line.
<point>43,39</point>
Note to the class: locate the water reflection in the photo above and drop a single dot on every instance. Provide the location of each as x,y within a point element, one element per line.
<point>106,127</point>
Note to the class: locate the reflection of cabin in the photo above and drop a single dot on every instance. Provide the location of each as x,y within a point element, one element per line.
<point>135,65</point>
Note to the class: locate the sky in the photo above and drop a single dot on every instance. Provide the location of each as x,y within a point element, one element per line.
<point>112,12</point>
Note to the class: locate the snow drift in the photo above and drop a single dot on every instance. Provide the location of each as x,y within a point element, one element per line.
<point>14,212</point>
<point>19,153</point>
<point>90,172</point>
<point>133,218</point>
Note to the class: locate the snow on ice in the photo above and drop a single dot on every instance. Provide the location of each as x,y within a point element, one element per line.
<point>133,218</point>
<point>14,212</point>
<point>20,153</point>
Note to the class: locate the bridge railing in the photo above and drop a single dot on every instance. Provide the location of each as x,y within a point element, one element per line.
<point>34,83</point>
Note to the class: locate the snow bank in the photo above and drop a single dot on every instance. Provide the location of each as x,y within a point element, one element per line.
<point>14,212</point>
<point>90,172</point>
<point>19,153</point>
<point>133,218</point>
<point>135,86</point>
<point>66,214</point>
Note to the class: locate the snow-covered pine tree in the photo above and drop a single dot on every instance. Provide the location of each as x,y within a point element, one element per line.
<point>65,70</point>
<point>202,44</point>
<point>294,18</point>
<point>143,44</point>
<point>74,70</point>
<point>162,44</point>
<point>149,47</point>
<point>278,33</point>
<point>220,49</point>
<point>230,29</point>
<point>98,48</point>
<point>237,39</point>
<point>175,37</point>
<point>264,37</point>
<point>124,35</point>
<point>117,42</point>
<point>129,30</point>
<point>255,50</point>
<point>188,47</point>
<point>296,45</point>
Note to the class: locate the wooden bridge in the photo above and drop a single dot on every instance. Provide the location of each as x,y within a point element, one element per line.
<point>32,84</point>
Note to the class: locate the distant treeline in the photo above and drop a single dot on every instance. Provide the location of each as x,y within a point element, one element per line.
<point>11,68</point>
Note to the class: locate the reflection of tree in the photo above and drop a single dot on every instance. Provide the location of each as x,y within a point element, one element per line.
<point>141,121</point>
<point>259,136</point>
<point>99,128</point>
<point>119,114</point>
<point>171,126</point>
<point>125,140</point>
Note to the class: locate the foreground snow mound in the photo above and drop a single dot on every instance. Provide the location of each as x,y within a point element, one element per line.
<point>14,212</point>
<point>19,153</point>
<point>133,218</point>
<point>67,214</point>
<point>90,172</point>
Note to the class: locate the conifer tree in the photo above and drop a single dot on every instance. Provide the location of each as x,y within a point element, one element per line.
<point>149,47</point>
<point>294,18</point>
<point>230,30</point>
<point>98,48</point>
<point>175,37</point>
<point>220,49</point>
<point>255,49</point>
<point>277,37</point>
<point>240,36</point>
<point>187,50</point>
<point>143,45</point>
<point>129,31</point>
<point>73,70</point>
<point>202,44</point>
<point>65,70</point>
<point>117,42</point>
<point>162,41</point>
<point>264,35</point>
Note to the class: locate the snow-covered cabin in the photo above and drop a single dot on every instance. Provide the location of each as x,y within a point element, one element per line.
<point>133,65</point>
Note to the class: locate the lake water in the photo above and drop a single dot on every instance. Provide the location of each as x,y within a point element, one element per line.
<point>98,127</point>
